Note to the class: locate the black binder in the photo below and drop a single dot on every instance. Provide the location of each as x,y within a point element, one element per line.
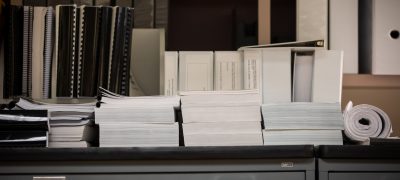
<point>13,52</point>
<point>66,47</point>
<point>89,65</point>
<point>121,51</point>
<point>104,49</point>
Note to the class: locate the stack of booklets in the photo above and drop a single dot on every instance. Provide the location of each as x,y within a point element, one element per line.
<point>137,121</point>
<point>302,123</point>
<point>20,128</point>
<point>72,125</point>
<point>221,118</point>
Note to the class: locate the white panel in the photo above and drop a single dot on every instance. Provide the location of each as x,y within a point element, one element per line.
<point>312,19</point>
<point>171,73</point>
<point>386,50</point>
<point>343,30</point>
<point>276,75</point>
<point>327,78</point>
<point>195,71</point>
<point>302,77</point>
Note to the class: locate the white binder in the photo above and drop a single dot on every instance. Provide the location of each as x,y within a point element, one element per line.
<point>196,70</point>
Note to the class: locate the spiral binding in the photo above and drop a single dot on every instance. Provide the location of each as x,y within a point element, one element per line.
<point>73,52</point>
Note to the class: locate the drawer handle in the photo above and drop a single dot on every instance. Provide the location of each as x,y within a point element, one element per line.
<point>49,178</point>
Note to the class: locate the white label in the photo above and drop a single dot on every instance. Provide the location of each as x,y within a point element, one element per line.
<point>287,164</point>
<point>50,178</point>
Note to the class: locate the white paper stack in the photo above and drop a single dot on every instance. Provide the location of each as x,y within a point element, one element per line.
<point>71,124</point>
<point>137,121</point>
<point>299,137</point>
<point>221,118</point>
<point>302,123</point>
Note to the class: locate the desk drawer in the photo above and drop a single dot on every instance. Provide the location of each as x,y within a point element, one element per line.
<point>170,176</point>
<point>364,176</point>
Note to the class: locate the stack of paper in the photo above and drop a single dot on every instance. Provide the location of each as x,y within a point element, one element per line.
<point>19,128</point>
<point>221,118</point>
<point>302,123</point>
<point>72,125</point>
<point>137,121</point>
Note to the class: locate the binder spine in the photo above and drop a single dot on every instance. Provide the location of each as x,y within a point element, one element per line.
<point>126,52</point>
<point>30,34</point>
<point>112,49</point>
<point>25,52</point>
<point>48,49</point>
<point>81,39</point>
<point>73,52</point>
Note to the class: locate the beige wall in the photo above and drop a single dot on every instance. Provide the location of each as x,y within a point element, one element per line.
<point>380,91</point>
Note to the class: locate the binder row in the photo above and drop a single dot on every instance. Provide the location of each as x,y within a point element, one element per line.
<point>80,48</point>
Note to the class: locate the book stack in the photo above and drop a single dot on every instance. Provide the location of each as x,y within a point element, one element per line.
<point>302,123</point>
<point>221,118</point>
<point>137,121</point>
<point>19,128</point>
<point>72,124</point>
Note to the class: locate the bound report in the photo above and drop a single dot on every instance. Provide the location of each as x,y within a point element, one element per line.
<point>196,71</point>
<point>227,70</point>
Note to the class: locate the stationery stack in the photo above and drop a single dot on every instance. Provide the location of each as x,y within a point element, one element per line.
<point>137,121</point>
<point>221,118</point>
<point>302,123</point>
<point>72,125</point>
<point>19,128</point>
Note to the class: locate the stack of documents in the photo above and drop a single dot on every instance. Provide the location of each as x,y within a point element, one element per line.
<point>19,128</point>
<point>221,118</point>
<point>137,121</point>
<point>72,124</point>
<point>302,123</point>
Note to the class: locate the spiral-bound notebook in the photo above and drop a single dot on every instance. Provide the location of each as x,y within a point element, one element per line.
<point>65,50</point>
<point>119,79</point>
<point>89,44</point>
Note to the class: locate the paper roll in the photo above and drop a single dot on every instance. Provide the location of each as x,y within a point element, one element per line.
<point>364,121</point>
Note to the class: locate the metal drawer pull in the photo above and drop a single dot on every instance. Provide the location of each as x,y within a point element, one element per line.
<point>50,178</point>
